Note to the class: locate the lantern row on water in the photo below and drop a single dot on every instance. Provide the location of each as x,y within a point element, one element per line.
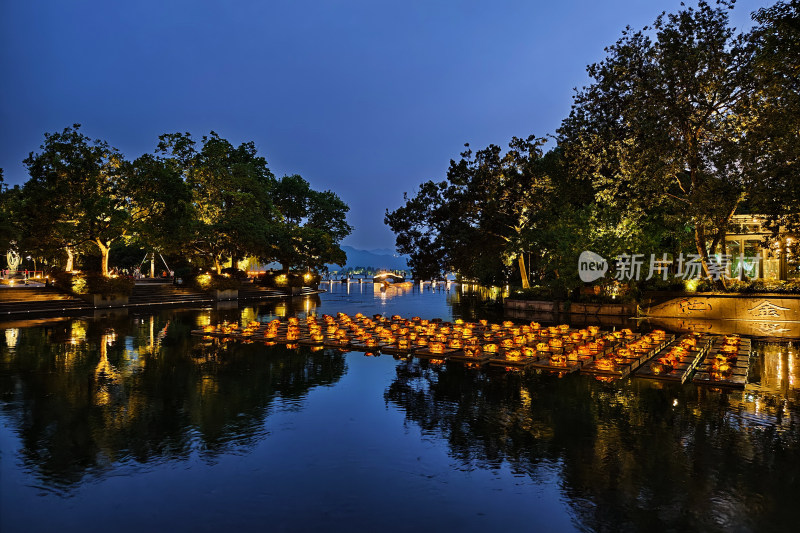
<point>607,355</point>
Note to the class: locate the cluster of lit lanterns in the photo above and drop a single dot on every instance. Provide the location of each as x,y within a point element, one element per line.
<point>723,359</point>
<point>683,353</point>
<point>506,344</point>
<point>633,350</point>
<point>607,355</point>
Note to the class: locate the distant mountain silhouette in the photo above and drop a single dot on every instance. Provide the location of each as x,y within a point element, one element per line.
<point>378,258</point>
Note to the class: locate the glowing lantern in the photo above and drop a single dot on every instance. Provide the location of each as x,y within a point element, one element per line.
<point>436,347</point>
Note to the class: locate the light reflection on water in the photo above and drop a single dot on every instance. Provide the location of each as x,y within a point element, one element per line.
<point>201,434</point>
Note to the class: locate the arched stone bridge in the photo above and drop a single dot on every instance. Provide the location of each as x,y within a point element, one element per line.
<point>389,277</point>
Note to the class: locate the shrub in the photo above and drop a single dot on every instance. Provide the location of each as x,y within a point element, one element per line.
<point>755,286</point>
<point>211,282</point>
<point>93,283</point>
<point>292,279</point>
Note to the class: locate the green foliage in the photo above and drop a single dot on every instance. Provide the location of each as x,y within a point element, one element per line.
<point>93,283</point>
<point>213,281</point>
<point>676,126</point>
<point>751,287</point>
<point>225,208</point>
<point>75,195</point>
<point>495,212</point>
<point>685,123</point>
<point>279,280</point>
<point>11,230</point>
<point>209,201</point>
<point>313,223</point>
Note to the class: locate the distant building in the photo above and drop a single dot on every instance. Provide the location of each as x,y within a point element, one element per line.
<point>765,257</point>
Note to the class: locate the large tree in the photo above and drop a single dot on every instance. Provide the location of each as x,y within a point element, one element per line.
<point>487,217</point>
<point>771,144</point>
<point>230,212</point>
<point>660,126</point>
<point>10,227</point>
<point>75,195</point>
<point>313,223</point>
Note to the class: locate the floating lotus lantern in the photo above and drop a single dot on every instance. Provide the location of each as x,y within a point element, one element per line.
<point>605,364</point>
<point>473,350</point>
<point>733,339</point>
<point>455,343</point>
<point>514,355</point>
<point>436,347</point>
<point>490,348</point>
<point>527,351</point>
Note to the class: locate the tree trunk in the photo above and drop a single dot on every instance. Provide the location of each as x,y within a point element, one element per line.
<point>70,259</point>
<point>700,243</point>
<point>104,248</point>
<point>523,273</point>
<point>217,265</point>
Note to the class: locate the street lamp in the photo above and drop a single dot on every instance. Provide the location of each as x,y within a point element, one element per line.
<point>29,258</point>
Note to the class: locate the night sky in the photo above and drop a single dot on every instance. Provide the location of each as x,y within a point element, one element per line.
<point>367,98</point>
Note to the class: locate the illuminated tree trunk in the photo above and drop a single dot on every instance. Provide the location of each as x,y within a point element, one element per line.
<point>522,272</point>
<point>217,265</point>
<point>70,259</point>
<point>104,249</point>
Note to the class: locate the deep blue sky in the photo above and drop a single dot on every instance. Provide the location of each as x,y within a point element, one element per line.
<point>367,98</point>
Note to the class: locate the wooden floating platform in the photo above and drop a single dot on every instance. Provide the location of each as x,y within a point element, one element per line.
<point>517,363</point>
<point>681,371</point>
<point>392,349</point>
<point>614,366</point>
<point>567,367</point>
<point>460,357</point>
<point>363,347</point>
<point>426,353</point>
<point>736,377</point>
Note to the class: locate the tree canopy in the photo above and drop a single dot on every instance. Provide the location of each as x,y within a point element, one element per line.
<point>685,123</point>
<point>210,202</point>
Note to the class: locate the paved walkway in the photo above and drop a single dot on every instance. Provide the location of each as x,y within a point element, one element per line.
<point>36,299</point>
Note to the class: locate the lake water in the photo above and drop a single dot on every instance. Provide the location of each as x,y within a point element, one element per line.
<point>127,423</point>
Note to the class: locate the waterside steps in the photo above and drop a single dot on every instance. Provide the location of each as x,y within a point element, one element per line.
<point>38,300</point>
<point>165,293</point>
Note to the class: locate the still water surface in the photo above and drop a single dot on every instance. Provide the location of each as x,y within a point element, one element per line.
<point>127,423</point>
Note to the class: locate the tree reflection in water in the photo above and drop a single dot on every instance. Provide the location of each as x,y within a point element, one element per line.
<point>88,395</point>
<point>632,456</point>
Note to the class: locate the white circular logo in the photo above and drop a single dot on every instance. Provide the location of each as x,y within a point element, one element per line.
<point>591,266</point>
